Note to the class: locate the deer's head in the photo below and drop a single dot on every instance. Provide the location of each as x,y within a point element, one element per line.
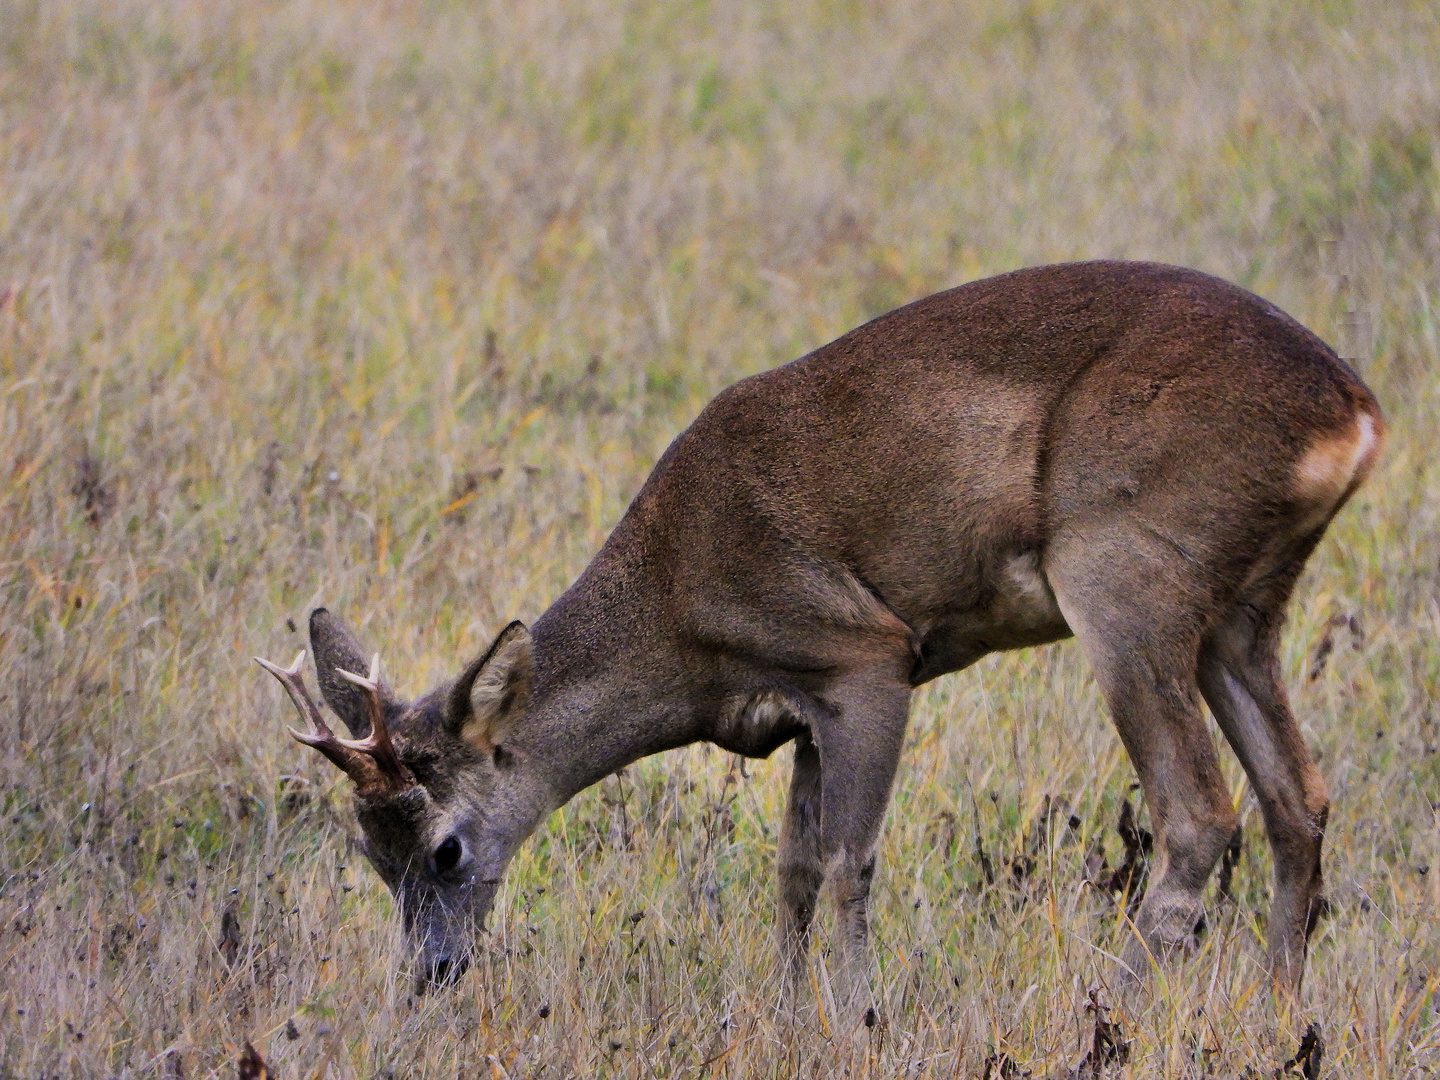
<point>441,800</point>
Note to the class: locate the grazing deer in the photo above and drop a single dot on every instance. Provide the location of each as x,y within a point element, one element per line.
<point>1138,455</point>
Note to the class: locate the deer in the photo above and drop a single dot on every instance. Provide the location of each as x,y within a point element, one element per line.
<point>1140,456</point>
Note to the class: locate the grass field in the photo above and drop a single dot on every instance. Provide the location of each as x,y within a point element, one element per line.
<point>391,306</point>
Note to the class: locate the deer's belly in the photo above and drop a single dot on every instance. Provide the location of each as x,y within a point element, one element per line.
<point>758,724</point>
<point>1019,611</point>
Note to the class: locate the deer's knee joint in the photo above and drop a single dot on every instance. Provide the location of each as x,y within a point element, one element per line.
<point>853,878</point>
<point>1193,845</point>
<point>1297,828</point>
<point>1204,831</point>
<point>799,880</point>
<point>1224,823</point>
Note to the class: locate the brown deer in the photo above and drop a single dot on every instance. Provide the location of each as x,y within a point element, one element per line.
<point>1138,455</point>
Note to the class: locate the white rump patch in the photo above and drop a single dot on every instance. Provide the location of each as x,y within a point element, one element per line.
<point>1331,465</point>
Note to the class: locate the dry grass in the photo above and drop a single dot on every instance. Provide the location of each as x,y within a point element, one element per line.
<point>286,284</point>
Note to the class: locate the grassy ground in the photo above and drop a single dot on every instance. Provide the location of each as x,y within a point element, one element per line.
<point>392,305</point>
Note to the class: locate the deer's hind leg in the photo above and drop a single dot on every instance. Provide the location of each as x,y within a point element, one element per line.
<point>1240,677</point>
<point>1143,645</point>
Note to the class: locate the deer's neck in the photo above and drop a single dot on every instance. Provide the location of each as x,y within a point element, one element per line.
<point>609,685</point>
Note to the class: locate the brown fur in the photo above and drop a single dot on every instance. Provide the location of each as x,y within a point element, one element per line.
<point>1140,455</point>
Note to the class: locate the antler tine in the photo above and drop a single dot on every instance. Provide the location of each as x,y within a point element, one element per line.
<point>378,744</point>
<point>323,739</point>
<point>293,682</point>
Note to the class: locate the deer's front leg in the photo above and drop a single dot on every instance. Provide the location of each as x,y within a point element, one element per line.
<point>860,743</point>
<point>801,867</point>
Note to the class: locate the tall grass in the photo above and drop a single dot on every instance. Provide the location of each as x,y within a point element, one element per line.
<point>392,306</point>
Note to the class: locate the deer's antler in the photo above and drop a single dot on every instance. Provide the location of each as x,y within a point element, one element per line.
<point>371,762</point>
<point>377,744</point>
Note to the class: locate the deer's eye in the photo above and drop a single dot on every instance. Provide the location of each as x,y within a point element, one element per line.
<point>447,855</point>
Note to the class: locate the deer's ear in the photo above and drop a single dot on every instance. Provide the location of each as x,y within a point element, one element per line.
<point>492,693</point>
<point>335,647</point>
